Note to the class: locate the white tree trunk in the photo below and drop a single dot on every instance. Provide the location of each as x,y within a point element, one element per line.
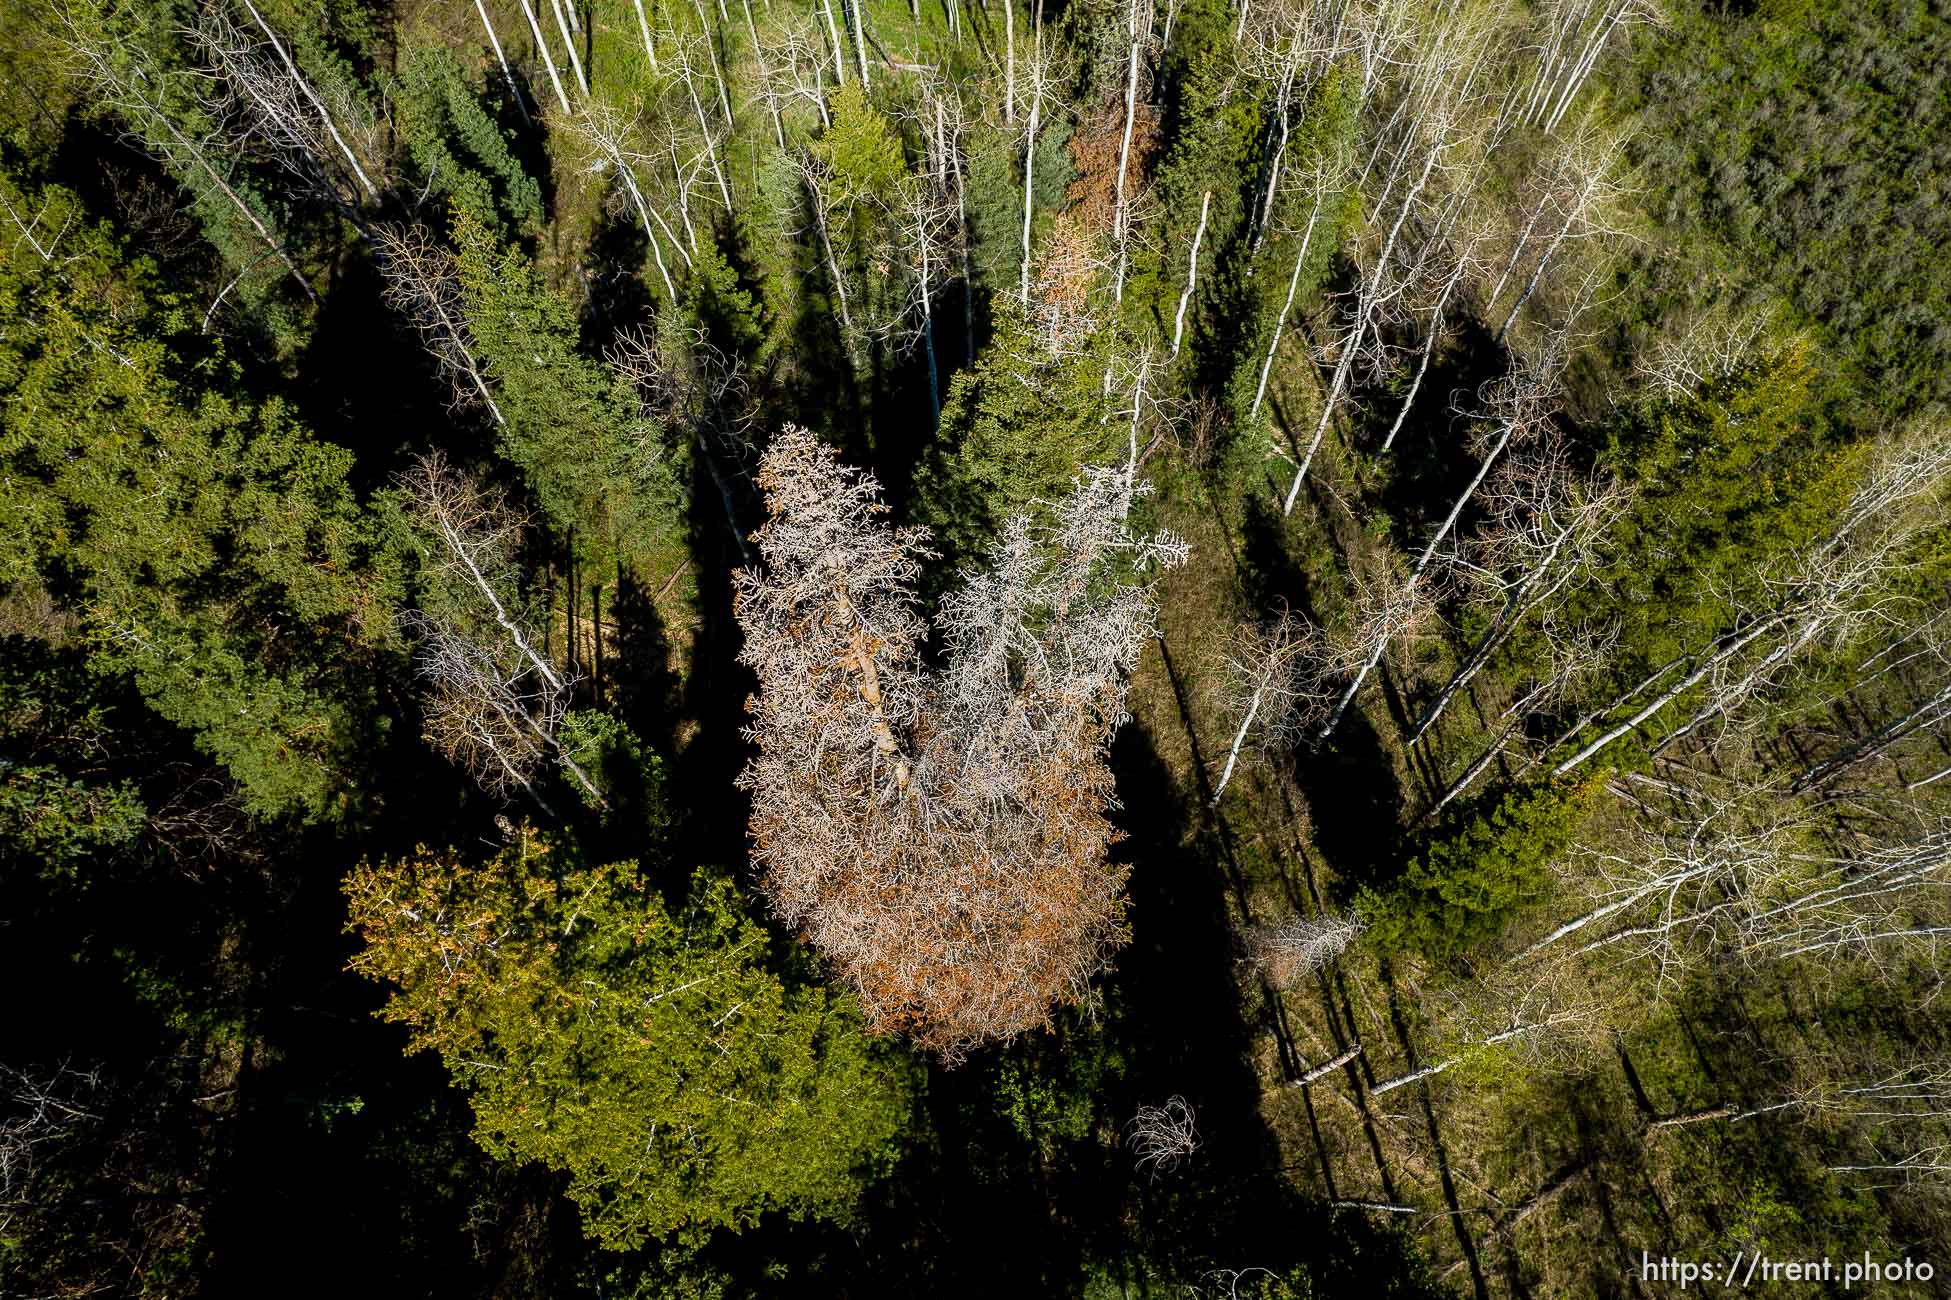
<point>569,43</point>
<point>542,48</point>
<point>1029,178</point>
<point>1280,321</point>
<point>305,87</point>
<point>1192,272</point>
<point>1119,218</point>
<point>502,59</point>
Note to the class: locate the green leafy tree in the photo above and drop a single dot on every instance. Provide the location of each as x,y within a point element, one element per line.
<point>212,547</point>
<point>650,1051</point>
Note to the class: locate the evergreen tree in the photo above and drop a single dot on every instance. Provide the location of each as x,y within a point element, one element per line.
<point>210,546</point>
<point>574,427</point>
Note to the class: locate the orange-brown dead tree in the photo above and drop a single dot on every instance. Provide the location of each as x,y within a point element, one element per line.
<point>941,834</point>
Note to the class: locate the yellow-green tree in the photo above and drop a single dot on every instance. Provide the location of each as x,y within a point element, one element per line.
<point>651,1051</point>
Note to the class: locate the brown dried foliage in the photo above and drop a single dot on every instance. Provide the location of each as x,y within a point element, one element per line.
<point>941,836</point>
<point>1094,149</point>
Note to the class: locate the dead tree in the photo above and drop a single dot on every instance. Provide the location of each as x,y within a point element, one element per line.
<point>1521,407</point>
<point>424,287</point>
<point>643,27</point>
<point>1162,1138</point>
<point>1437,122</point>
<point>1319,181</point>
<point>542,48</point>
<point>507,73</point>
<point>1192,272</point>
<point>1709,345</point>
<point>927,229</point>
<point>710,138</point>
<point>562,23</point>
<point>1301,945</point>
<point>1036,74</point>
<point>1290,50</point>
<point>685,382</point>
<point>38,1109</point>
<point>494,703</point>
<point>1550,1025</point>
<point>940,835</point>
<point>253,84</point>
<point>1577,35</point>
<point>1273,685</point>
<point>126,79</point>
<point>317,102</point>
<point>1138,31</point>
<point>1543,532</point>
<point>606,133</point>
<point>1586,190</point>
<point>1827,593</point>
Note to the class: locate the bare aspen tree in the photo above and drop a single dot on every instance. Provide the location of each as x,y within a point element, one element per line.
<point>1192,272</point>
<point>1544,527</point>
<point>423,286</point>
<point>1291,950</point>
<point>1162,1138</point>
<point>1888,899</point>
<point>1591,189</point>
<point>1321,180</point>
<point>797,54</point>
<point>254,84</point>
<point>569,43</point>
<point>495,702</point>
<point>814,173</point>
<point>1738,870</point>
<point>709,36</point>
<point>138,89</point>
<point>605,132</point>
<point>927,224</point>
<point>41,1107</point>
<point>542,48</point>
<point>1036,79</point>
<point>689,76</point>
<point>1552,1026</point>
<point>947,140</point>
<point>1827,593</point>
<point>839,53</point>
<point>1455,245</point>
<point>1920,651</point>
<point>684,174</point>
<point>1273,684</point>
<point>1009,61</point>
<point>507,73</point>
<point>1120,212</point>
<point>1577,35</point>
<point>940,836</point>
<point>306,89</point>
<point>1290,49</point>
<point>860,40</point>
<point>1710,344</point>
<point>1438,120</point>
<point>643,28</point>
<point>767,90</point>
<point>685,382</point>
<point>1521,407</point>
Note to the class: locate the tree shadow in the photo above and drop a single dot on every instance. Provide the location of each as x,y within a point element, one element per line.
<point>642,688</point>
